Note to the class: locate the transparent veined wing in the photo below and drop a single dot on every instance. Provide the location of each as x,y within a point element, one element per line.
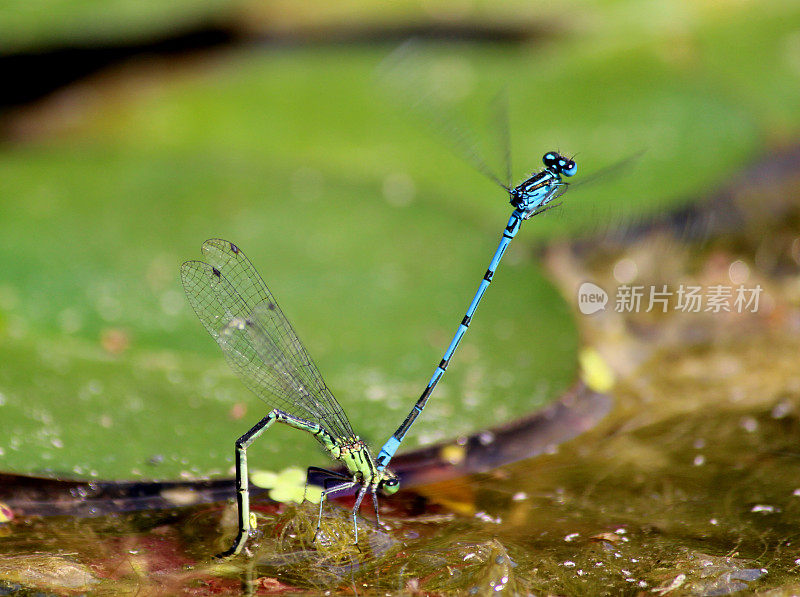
<point>241,314</point>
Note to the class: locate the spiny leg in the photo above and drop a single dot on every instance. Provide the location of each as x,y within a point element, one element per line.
<point>375,505</point>
<point>323,497</point>
<point>242,482</point>
<point>362,492</point>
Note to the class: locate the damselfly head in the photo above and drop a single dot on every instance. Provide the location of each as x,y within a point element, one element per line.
<point>558,164</point>
<point>389,484</point>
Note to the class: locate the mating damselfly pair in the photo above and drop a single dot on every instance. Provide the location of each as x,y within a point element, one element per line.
<point>241,314</point>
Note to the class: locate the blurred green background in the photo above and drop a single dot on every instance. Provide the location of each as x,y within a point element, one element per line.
<point>372,234</point>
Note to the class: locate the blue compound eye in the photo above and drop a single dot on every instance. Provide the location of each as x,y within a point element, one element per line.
<point>558,164</point>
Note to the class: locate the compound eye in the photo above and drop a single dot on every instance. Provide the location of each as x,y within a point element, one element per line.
<point>390,486</point>
<point>569,169</point>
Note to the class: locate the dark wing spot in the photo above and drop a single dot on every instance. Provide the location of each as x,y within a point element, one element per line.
<point>271,306</point>
<point>234,248</point>
<point>248,322</point>
<point>215,271</point>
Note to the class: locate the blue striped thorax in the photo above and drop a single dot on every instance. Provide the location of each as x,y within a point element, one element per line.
<point>536,192</point>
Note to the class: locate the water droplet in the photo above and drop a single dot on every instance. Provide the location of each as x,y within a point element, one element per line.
<point>625,271</point>
<point>764,508</point>
<point>486,438</point>
<point>781,409</point>
<point>749,424</point>
<point>180,496</point>
<point>738,272</point>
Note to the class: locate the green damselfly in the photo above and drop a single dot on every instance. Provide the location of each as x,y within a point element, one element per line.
<point>239,311</point>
